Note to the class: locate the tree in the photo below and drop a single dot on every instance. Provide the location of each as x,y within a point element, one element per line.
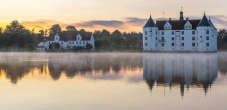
<point>55,28</point>
<point>105,33</point>
<point>116,33</point>
<point>15,27</point>
<point>57,46</point>
<point>51,47</point>
<point>71,28</point>
<point>89,47</point>
<point>82,31</point>
<point>96,34</point>
<point>30,47</point>
<point>41,32</point>
<point>45,32</point>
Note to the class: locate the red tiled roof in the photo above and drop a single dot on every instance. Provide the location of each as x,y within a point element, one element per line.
<point>40,46</point>
<point>177,24</point>
<point>67,36</point>
<point>44,41</point>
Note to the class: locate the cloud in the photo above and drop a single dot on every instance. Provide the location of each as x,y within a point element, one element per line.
<point>41,24</point>
<point>128,24</point>
<point>105,23</point>
<point>220,21</point>
<point>135,21</point>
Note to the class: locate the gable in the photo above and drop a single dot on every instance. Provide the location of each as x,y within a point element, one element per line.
<point>177,24</point>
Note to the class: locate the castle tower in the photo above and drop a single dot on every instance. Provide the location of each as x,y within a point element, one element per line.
<point>181,15</point>
<point>207,35</point>
<point>150,34</point>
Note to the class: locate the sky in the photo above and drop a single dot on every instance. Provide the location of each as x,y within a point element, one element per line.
<point>91,15</point>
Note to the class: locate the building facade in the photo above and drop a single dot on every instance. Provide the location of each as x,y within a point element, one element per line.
<point>180,35</point>
<point>67,40</point>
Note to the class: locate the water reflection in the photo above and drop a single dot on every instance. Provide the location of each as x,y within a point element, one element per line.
<point>172,70</point>
<point>180,70</point>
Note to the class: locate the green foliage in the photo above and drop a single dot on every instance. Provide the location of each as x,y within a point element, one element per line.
<point>71,28</point>
<point>116,33</point>
<point>82,31</point>
<point>29,47</point>
<point>51,47</point>
<point>222,39</point>
<point>89,46</point>
<point>55,28</point>
<point>56,46</point>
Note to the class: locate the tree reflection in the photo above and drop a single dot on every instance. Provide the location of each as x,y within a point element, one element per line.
<point>167,70</point>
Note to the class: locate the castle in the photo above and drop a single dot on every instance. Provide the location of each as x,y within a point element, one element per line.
<point>67,40</point>
<point>180,35</point>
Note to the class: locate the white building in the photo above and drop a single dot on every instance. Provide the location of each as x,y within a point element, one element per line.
<point>67,40</point>
<point>180,35</point>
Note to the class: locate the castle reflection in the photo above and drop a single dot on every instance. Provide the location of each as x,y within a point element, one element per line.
<point>180,70</point>
<point>175,70</point>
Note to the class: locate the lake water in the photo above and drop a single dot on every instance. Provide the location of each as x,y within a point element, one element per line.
<point>113,81</point>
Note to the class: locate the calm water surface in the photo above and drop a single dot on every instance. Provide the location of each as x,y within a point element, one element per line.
<point>113,81</point>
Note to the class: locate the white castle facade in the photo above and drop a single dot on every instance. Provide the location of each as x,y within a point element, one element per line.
<point>180,35</point>
<point>67,40</point>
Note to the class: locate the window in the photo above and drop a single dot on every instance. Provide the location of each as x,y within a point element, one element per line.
<point>193,38</point>
<point>145,32</point>
<point>182,32</point>
<point>84,42</point>
<point>80,42</point>
<point>61,42</point>
<point>193,44</point>
<point>156,44</point>
<point>172,32</point>
<point>49,42</point>
<point>207,32</point>
<point>182,44</point>
<point>189,26</point>
<point>186,27</point>
<point>156,32</point>
<point>69,42</point>
<point>207,44</point>
<point>162,44</point>
<point>172,44</point>
<point>162,38</point>
<point>172,38</point>
<point>145,38</point>
<point>72,42</point>
<point>162,32</point>
<point>182,38</point>
<point>145,44</point>
<point>207,38</point>
<point>193,32</point>
<point>156,38</point>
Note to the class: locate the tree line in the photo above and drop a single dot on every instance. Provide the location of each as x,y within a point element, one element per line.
<point>16,36</point>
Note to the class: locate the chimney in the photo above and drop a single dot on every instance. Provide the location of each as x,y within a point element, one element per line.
<point>169,19</point>
<point>187,19</point>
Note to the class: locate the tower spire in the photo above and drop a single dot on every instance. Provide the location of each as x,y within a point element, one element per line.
<point>181,14</point>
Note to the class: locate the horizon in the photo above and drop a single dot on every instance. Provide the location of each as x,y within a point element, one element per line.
<point>109,15</point>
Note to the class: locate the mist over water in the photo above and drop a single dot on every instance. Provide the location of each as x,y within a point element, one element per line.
<point>113,81</point>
